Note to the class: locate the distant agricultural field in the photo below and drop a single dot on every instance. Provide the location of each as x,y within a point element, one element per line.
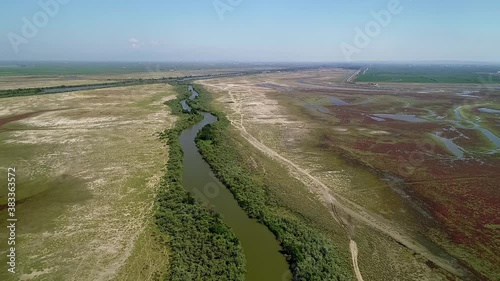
<point>410,73</point>
<point>96,68</point>
<point>62,68</point>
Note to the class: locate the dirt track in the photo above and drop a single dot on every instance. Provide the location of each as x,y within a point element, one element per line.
<point>354,253</point>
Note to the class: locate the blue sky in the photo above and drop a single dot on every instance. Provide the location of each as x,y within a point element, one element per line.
<point>253,30</point>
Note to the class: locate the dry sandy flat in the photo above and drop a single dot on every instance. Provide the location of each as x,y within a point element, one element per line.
<point>88,166</point>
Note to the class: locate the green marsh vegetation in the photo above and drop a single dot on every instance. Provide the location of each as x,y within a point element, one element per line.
<point>20,92</point>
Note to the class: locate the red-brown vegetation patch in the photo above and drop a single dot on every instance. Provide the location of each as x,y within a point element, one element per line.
<point>462,195</point>
<point>465,198</point>
<point>412,128</point>
<point>18,117</point>
<point>346,114</point>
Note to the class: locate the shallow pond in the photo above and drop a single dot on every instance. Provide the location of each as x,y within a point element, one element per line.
<point>489,110</point>
<point>455,149</point>
<point>338,101</point>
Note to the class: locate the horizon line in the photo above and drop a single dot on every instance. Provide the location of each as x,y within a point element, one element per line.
<point>258,62</point>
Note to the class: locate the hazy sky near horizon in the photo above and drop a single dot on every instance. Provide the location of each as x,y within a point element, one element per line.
<point>253,30</point>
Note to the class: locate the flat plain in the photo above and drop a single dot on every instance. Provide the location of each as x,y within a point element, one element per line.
<point>87,164</point>
<point>400,175</point>
<point>412,165</point>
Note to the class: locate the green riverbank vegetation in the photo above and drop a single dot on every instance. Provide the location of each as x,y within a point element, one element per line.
<point>202,246</point>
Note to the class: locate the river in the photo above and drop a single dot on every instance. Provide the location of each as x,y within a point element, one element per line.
<point>261,249</point>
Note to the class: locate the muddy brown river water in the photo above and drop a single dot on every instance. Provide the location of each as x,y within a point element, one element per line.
<point>261,249</point>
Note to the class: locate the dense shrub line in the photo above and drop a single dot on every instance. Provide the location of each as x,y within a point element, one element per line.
<point>20,92</point>
<point>310,254</point>
<point>202,246</point>
<point>65,88</point>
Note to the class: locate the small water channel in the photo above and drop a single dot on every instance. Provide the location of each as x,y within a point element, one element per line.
<point>494,139</point>
<point>455,149</point>
<point>262,250</point>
